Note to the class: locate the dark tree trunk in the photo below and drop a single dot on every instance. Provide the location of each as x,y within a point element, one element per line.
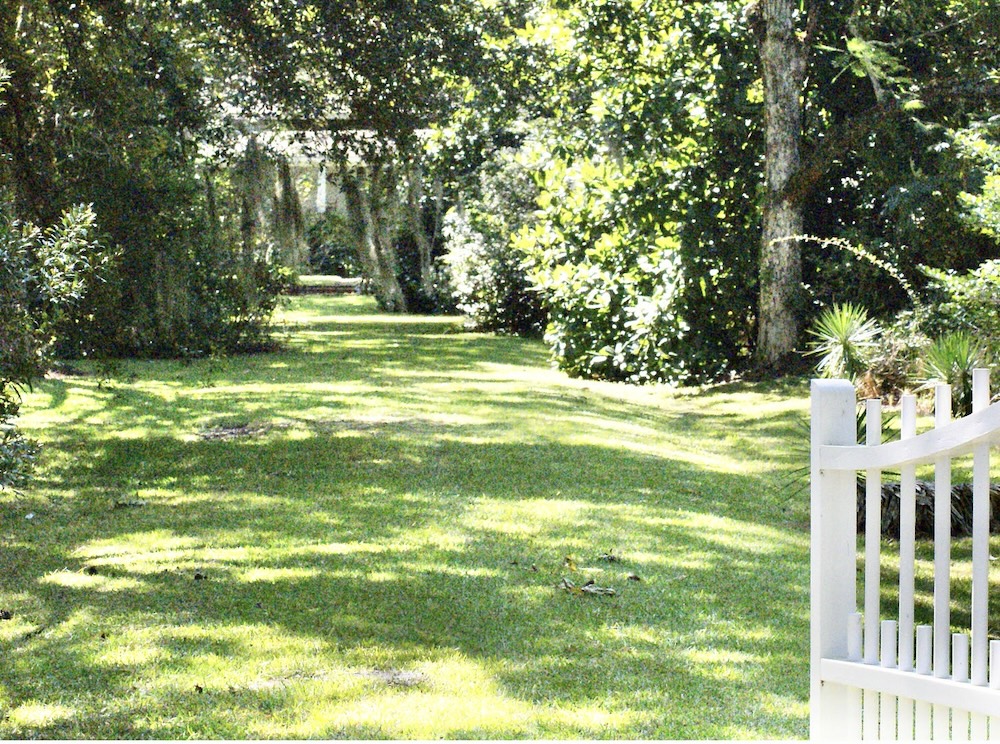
<point>289,224</point>
<point>783,65</point>
<point>415,218</point>
<point>372,205</point>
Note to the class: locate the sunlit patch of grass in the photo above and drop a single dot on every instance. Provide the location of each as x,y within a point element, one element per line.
<point>32,715</point>
<point>367,535</point>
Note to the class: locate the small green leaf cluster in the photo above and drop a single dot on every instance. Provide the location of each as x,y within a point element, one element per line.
<point>42,272</point>
<point>845,340</point>
<point>488,277</point>
<point>611,286</point>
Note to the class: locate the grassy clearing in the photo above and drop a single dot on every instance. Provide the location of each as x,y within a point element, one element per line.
<point>362,536</point>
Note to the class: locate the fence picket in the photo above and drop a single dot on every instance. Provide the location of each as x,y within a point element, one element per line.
<point>994,721</point>
<point>925,663</point>
<point>855,700</point>
<point>942,540</point>
<point>980,539</point>
<point>888,703</point>
<point>884,678</point>
<point>907,536</point>
<point>870,714</point>
<point>873,534</point>
<point>960,673</point>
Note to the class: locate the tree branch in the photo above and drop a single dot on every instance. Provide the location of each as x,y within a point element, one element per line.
<point>852,135</point>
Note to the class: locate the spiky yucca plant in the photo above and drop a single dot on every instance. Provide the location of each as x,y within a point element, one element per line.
<point>950,360</point>
<point>846,339</point>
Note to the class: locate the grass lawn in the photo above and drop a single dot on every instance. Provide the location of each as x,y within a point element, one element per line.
<point>366,535</point>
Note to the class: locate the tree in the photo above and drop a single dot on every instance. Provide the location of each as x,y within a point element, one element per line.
<point>872,161</point>
<point>369,78</point>
<point>783,55</point>
<point>109,103</point>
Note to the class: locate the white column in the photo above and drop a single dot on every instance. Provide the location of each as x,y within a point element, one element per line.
<point>833,558</point>
<point>321,189</point>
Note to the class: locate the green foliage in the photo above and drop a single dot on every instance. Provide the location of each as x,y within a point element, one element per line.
<point>42,274</point>
<point>233,304</point>
<point>978,145</point>
<point>921,73</point>
<point>951,360</point>
<point>112,106</point>
<point>968,302</point>
<point>654,130</point>
<point>424,294</point>
<point>18,453</point>
<point>846,340</point>
<point>332,249</point>
<point>610,287</point>
<point>486,273</point>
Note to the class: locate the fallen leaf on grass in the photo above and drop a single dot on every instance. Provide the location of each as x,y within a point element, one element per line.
<point>128,502</point>
<point>589,588</point>
<point>394,677</point>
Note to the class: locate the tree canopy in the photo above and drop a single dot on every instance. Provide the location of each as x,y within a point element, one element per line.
<point>658,228</point>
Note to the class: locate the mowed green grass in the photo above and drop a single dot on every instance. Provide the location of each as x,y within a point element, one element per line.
<point>363,536</point>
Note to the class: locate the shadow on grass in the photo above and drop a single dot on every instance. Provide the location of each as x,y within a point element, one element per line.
<point>423,530</point>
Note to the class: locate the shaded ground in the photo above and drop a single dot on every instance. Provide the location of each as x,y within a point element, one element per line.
<point>365,536</point>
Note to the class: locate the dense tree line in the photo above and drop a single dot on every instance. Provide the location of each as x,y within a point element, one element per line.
<point>667,190</point>
<point>114,104</point>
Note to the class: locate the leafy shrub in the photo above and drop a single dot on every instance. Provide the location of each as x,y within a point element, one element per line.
<point>979,146</point>
<point>421,298</point>
<point>239,298</point>
<point>951,360</point>
<point>488,277</point>
<point>895,362</point>
<point>965,302</point>
<point>611,287</point>
<point>42,272</point>
<point>332,248</point>
<point>17,452</point>
<point>184,282</point>
<point>846,341</point>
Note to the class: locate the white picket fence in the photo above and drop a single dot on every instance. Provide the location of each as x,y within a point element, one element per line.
<point>881,678</point>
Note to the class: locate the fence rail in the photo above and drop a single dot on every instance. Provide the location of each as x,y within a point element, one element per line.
<point>884,678</point>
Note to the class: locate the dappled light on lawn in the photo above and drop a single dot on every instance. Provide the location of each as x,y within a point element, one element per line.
<point>403,530</point>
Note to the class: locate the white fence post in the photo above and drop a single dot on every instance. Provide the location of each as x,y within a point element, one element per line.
<point>833,557</point>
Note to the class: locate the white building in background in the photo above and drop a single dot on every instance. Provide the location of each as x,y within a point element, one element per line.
<point>319,188</point>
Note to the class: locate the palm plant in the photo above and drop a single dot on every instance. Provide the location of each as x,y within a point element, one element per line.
<point>950,360</point>
<point>846,339</point>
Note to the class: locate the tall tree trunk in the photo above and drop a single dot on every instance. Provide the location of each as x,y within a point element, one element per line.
<point>783,63</point>
<point>255,182</point>
<point>289,224</point>
<point>372,213</point>
<point>415,220</point>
